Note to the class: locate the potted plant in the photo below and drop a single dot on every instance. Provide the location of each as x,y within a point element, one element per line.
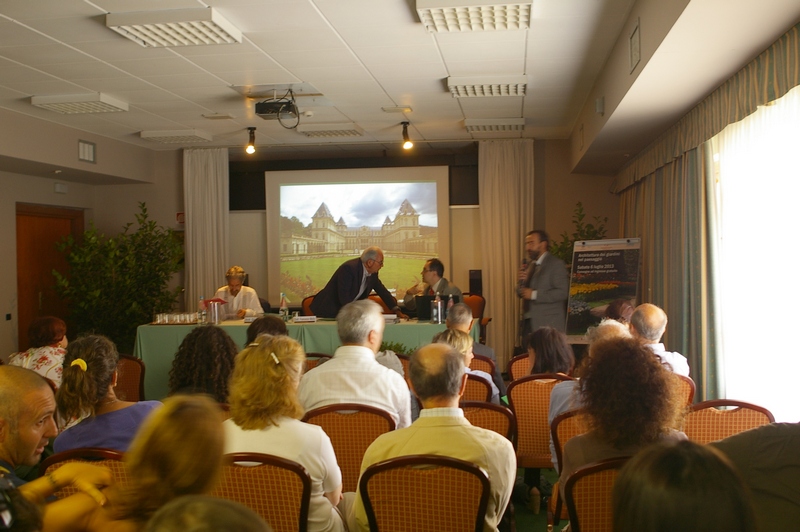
<point>583,231</point>
<point>114,284</point>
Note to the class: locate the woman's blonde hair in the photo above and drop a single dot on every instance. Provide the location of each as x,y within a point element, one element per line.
<point>264,382</point>
<point>458,340</point>
<point>177,451</point>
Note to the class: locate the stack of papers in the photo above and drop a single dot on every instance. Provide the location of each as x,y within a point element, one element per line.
<point>391,318</point>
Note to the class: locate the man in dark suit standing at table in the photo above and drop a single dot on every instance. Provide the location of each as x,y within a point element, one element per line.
<point>543,286</point>
<point>354,280</point>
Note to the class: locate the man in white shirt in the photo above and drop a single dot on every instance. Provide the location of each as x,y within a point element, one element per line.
<point>439,380</point>
<point>648,324</point>
<point>240,300</point>
<point>353,375</point>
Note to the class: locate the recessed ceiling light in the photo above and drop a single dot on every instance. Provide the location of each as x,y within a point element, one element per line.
<point>494,125</point>
<point>473,15</point>
<point>487,86</point>
<point>400,109</point>
<point>68,104</point>
<point>330,130</point>
<point>175,27</point>
<point>177,136</point>
<point>218,116</point>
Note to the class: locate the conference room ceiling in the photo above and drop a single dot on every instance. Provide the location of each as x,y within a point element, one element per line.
<point>351,59</point>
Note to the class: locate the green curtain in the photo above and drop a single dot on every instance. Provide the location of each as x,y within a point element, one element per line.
<point>668,211</point>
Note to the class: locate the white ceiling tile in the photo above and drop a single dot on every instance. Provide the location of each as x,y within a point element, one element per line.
<point>295,40</point>
<point>260,77</point>
<point>486,68</point>
<point>44,54</point>
<point>157,66</point>
<point>27,10</point>
<point>230,63</point>
<point>47,88</point>
<point>121,49</point>
<point>84,71</point>
<point>479,51</point>
<point>11,34</point>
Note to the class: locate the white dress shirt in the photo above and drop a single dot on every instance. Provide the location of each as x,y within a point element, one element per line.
<point>246,299</point>
<point>354,376</point>
<point>677,362</point>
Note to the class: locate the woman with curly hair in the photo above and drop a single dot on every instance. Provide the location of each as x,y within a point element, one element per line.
<point>177,452</point>
<point>87,394</point>
<point>265,418</point>
<point>203,363</point>
<point>630,401</point>
<point>47,337</point>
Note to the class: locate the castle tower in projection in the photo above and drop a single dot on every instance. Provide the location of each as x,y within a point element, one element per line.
<point>403,234</point>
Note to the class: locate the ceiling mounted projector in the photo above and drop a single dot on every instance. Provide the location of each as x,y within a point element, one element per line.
<point>274,110</point>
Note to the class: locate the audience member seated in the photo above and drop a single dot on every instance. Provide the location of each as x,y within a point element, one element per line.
<point>269,324</point>
<point>438,379</point>
<point>620,310</point>
<point>47,337</point>
<point>202,513</point>
<point>353,375</point>
<point>630,400</point>
<point>203,363</point>
<point>648,324</point>
<point>460,317</point>
<point>87,394</point>
<point>240,300</point>
<point>265,418</point>
<point>565,395</point>
<point>768,458</point>
<point>549,352</point>
<point>177,452</point>
<point>462,342</point>
<point>682,486</point>
<point>27,407</point>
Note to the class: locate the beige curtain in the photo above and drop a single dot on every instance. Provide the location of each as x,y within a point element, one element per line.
<point>505,186</point>
<point>205,197</point>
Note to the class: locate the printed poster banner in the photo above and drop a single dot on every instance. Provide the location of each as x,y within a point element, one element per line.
<point>602,271</point>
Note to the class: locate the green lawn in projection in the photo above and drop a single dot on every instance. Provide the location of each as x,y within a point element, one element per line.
<point>300,278</point>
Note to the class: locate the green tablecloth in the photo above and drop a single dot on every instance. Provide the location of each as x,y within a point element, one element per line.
<point>156,345</point>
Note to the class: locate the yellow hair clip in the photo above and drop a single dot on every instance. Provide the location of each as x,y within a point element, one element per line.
<point>81,363</point>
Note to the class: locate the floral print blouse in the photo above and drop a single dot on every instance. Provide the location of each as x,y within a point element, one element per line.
<point>46,361</point>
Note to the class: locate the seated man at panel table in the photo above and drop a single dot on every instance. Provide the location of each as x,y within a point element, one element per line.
<point>648,323</point>
<point>353,375</point>
<point>438,379</point>
<point>460,318</point>
<point>241,300</point>
<point>354,280</point>
<point>433,282</point>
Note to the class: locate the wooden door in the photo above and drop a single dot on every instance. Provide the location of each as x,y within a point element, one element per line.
<point>39,229</point>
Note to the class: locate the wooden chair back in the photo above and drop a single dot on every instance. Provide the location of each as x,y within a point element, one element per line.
<point>352,428</point>
<point>314,359</point>
<point>519,366</point>
<point>478,305</point>
<point>108,458</point>
<point>405,360</point>
<point>377,299</point>
<point>425,492</point>
<point>707,422</point>
<point>478,389</point>
<point>482,363</point>
<point>277,489</point>
<point>490,416</point>
<point>587,493</point>
<point>130,379</point>
<point>306,306</point>
<point>564,427</point>
<point>687,387</point>
<point>529,399</point>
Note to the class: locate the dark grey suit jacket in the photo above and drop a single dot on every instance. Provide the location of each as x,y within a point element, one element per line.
<point>343,288</point>
<point>551,282</point>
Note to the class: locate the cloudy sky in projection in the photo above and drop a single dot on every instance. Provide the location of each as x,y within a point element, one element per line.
<point>360,204</point>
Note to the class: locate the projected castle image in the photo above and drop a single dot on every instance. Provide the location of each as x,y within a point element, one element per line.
<point>403,234</point>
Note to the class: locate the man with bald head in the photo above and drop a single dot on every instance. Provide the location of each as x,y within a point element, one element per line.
<point>438,379</point>
<point>648,324</point>
<point>27,407</point>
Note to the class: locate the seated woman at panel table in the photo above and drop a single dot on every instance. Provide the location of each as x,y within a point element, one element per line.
<point>240,300</point>
<point>87,394</point>
<point>203,363</point>
<point>178,451</point>
<point>265,418</point>
<point>47,337</point>
<point>630,401</point>
<point>462,342</point>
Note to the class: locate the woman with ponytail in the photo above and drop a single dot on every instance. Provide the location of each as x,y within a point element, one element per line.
<point>87,395</point>
<point>265,418</point>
